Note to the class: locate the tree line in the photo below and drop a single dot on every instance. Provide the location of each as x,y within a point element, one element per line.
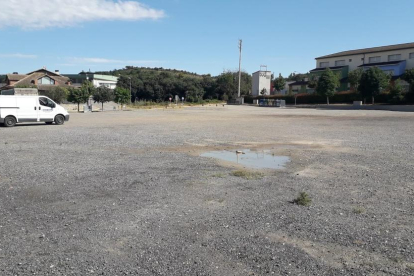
<point>369,84</point>
<point>160,85</point>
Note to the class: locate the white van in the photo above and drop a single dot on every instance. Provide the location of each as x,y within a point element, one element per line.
<point>19,109</point>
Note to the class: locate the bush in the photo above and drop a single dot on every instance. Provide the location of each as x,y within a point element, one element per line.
<point>247,174</point>
<point>303,199</point>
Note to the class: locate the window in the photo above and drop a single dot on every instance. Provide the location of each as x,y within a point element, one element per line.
<point>46,80</point>
<point>374,59</point>
<point>340,63</point>
<point>350,60</point>
<point>411,55</point>
<point>45,102</point>
<point>324,64</point>
<point>394,57</point>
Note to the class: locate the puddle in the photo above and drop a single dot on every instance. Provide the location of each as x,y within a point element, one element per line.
<point>261,159</point>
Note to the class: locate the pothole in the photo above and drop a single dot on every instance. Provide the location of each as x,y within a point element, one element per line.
<point>256,159</point>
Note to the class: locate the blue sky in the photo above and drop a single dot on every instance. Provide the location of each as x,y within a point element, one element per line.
<point>193,35</point>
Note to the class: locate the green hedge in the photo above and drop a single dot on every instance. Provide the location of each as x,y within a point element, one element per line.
<point>336,99</point>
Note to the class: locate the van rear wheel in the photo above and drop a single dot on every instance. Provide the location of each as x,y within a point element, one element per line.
<point>59,120</point>
<point>9,121</point>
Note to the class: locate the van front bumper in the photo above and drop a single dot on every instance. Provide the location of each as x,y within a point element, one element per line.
<point>67,117</point>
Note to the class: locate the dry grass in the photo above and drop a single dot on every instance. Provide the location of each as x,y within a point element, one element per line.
<point>249,175</point>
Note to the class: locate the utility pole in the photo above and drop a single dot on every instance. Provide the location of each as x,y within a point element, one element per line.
<point>240,58</point>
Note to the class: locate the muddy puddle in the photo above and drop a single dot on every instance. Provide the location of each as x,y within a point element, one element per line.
<point>260,159</point>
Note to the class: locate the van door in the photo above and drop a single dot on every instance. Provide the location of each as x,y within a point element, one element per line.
<point>27,109</point>
<point>46,112</point>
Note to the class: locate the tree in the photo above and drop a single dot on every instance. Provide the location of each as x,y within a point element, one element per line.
<point>77,95</point>
<point>57,94</point>
<point>373,81</point>
<point>279,83</point>
<point>409,77</point>
<point>87,89</point>
<point>327,84</point>
<point>121,95</point>
<point>102,95</point>
<point>297,77</point>
<point>354,78</point>
<point>396,92</point>
<point>313,82</point>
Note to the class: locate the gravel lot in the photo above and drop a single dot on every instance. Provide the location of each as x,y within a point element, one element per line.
<point>126,193</point>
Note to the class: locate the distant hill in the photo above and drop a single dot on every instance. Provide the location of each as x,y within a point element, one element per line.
<point>132,70</point>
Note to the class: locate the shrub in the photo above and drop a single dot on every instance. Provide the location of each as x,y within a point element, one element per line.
<point>247,174</point>
<point>303,199</point>
<point>358,210</point>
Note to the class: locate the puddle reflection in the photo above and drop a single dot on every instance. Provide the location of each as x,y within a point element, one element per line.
<point>261,159</point>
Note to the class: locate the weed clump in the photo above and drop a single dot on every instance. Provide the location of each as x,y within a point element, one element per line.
<point>247,174</point>
<point>303,199</point>
<point>358,210</point>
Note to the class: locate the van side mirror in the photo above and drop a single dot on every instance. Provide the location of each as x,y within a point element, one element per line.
<point>52,105</point>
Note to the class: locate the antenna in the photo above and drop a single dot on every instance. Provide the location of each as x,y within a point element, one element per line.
<point>263,66</point>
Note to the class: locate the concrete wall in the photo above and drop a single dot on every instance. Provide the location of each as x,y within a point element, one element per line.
<point>260,80</point>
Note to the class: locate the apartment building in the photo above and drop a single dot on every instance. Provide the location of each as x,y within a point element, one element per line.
<point>393,59</point>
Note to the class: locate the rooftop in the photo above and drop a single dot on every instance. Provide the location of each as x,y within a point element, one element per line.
<point>371,50</point>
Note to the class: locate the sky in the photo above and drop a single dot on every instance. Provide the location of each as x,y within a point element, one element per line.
<point>194,35</point>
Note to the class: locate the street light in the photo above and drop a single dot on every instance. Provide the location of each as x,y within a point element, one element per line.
<point>130,89</point>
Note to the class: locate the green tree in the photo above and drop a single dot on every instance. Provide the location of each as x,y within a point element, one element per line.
<point>57,94</point>
<point>279,83</point>
<point>373,81</point>
<point>77,95</point>
<point>354,78</point>
<point>313,82</point>
<point>121,95</point>
<point>102,95</point>
<point>87,88</point>
<point>327,84</point>
<point>409,77</point>
<point>396,92</point>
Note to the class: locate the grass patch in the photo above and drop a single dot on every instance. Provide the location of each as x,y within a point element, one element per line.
<point>248,174</point>
<point>358,210</point>
<point>303,199</point>
<point>219,175</point>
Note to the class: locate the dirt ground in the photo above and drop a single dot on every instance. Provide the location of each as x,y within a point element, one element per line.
<point>127,193</point>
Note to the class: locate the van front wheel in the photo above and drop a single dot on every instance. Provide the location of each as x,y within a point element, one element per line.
<point>59,120</point>
<point>9,121</point>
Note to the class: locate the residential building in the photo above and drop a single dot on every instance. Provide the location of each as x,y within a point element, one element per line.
<point>42,79</point>
<point>261,82</point>
<point>96,79</point>
<point>299,87</point>
<point>393,59</point>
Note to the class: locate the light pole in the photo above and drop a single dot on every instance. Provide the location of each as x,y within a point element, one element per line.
<point>240,58</point>
<point>130,89</point>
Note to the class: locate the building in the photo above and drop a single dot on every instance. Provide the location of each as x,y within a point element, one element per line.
<point>261,82</point>
<point>299,87</point>
<point>96,79</point>
<point>42,79</point>
<point>393,59</point>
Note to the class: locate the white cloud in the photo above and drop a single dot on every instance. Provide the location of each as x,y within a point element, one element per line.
<point>38,14</point>
<point>17,56</point>
<point>95,60</point>
<point>92,60</point>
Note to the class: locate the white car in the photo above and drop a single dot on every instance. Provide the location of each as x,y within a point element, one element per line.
<point>19,109</point>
